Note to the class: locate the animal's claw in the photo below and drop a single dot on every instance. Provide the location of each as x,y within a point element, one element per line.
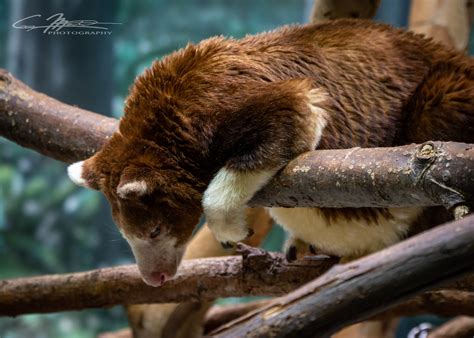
<point>291,253</point>
<point>227,245</point>
<point>250,233</point>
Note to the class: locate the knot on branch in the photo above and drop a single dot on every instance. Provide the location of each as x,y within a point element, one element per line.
<point>434,174</point>
<point>426,152</point>
<point>425,156</point>
<point>258,260</point>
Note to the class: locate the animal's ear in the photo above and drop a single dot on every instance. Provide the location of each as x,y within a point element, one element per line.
<point>135,182</point>
<point>82,173</point>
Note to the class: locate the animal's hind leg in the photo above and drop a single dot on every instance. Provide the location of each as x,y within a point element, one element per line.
<point>295,247</point>
<point>442,107</point>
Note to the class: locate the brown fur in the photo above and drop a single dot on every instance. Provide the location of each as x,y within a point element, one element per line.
<point>243,104</point>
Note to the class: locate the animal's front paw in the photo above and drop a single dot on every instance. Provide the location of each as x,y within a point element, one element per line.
<point>295,247</point>
<point>230,244</point>
<point>229,230</point>
<point>227,245</point>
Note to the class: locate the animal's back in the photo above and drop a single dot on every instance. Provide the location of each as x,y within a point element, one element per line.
<point>370,70</point>
<point>373,74</point>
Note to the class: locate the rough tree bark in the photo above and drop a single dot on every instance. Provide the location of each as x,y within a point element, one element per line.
<point>443,303</point>
<point>256,272</point>
<point>431,174</point>
<point>358,290</point>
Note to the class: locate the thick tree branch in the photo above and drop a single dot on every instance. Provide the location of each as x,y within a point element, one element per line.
<point>50,127</point>
<point>356,291</point>
<point>256,273</point>
<point>433,174</point>
<point>198,280</point>
<point>444,303</point>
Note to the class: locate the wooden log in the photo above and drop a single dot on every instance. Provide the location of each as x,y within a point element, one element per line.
<point>256,272</point>
<point>198,280</point>
<point>358,290</point>
<point>435,173</point>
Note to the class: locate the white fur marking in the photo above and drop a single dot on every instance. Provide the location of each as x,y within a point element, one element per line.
<point>345,237</point>
<point>225,199</point>
<point>136,187</point>
<point>316,97</point>
<point>74,172</point>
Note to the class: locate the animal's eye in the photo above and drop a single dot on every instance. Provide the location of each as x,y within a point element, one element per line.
<point>155,232</point>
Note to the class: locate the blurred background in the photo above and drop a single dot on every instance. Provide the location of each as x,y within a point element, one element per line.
<point>48,225</point>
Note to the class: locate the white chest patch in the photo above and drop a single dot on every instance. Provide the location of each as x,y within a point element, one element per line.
<point>344,237</point>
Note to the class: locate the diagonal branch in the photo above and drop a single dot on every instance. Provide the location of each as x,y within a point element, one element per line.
<point>445,303</point>
<point>432,174</point>
<point>358,290</point>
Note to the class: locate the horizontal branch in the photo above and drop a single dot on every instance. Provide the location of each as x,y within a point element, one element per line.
<point>358,290</point>
<point>432,174</point>
<point>435,173</point>
<point>255,273</point>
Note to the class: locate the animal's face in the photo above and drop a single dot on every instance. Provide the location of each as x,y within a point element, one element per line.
<point>152,207</point>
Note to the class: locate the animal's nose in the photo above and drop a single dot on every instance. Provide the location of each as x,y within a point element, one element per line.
<point>157,278</point>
